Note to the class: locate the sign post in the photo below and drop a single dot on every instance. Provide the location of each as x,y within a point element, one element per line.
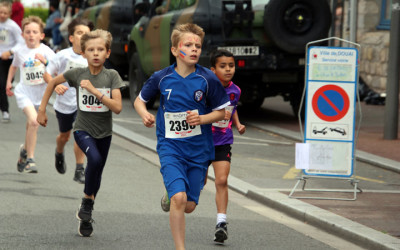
<point>329,138</point>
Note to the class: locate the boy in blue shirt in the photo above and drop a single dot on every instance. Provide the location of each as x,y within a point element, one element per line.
<point>191,98</point>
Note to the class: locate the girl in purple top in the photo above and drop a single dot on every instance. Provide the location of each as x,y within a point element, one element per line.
<point>223,65</point>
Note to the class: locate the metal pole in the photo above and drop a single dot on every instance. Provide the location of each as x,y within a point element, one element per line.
<point>353,20</point>
<point>392,88</point>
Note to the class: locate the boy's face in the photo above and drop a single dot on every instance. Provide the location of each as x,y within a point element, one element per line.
<point>224,69</point>
<point>32,35</point>
<point>75,39</point>
<point>96,52</point>
<point>188,50</point>
<point>4,14</point>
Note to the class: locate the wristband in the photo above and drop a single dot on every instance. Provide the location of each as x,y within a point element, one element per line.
<point>101,98</point>
<point>47,63</point>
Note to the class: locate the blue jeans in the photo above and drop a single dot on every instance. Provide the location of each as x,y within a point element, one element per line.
<point>96,151</point>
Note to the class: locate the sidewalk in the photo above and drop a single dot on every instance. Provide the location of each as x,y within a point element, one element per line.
<point>370,221</point>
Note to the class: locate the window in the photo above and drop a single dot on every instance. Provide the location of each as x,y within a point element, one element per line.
<point>386,12</point>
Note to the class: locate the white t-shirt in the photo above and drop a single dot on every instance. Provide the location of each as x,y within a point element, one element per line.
<point>65,60</point>
<point>31,84</point>
<point>10,35</point>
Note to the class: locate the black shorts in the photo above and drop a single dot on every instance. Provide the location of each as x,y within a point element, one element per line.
<point>223,153</point>
<point>65,121</point>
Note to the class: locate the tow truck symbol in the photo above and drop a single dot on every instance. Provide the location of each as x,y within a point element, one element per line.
<point>322,131</point>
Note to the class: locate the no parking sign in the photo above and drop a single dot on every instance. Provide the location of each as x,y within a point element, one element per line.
<point>331,82</point>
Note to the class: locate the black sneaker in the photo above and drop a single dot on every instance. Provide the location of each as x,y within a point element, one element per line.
<point>79,176</point>
<point>21,164</point>
<point>84,212</point>
<point>85,228</point>
<point>60,163</point>
<point>221,232</point>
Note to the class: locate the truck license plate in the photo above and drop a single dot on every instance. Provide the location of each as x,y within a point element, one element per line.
<point>242,50</point>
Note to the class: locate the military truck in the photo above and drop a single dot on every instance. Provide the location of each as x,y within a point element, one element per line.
<point>118,17</point>
<point>267,37</point>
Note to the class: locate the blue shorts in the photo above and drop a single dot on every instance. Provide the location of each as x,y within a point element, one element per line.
<point>181,175</point>
<point>65,121</point>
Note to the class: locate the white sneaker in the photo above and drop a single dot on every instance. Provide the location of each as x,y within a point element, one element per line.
<point>6,116</point>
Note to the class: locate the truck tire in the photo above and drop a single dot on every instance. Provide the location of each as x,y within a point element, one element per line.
<point>136,77</point>
<point>291,24</point>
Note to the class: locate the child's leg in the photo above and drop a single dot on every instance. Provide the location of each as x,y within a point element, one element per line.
<point>61,140</point>
<point>4,66</point>
<point>79,155</point>
<point>221,171</point>
<point>31,130</point>
<point>177,219</point>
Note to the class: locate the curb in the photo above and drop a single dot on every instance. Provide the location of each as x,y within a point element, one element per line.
<point>328,221</point>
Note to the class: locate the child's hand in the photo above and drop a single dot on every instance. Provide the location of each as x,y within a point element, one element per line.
<point>5,55</point>
<point>193,118</point>
<point>148,120</point>
<point>42,118</point>
<point>241,128</point>
<point>86,84</point>
<point>8,90</point>
<point>41,58</point>
<point>61,89</point>
<point>227,115</point>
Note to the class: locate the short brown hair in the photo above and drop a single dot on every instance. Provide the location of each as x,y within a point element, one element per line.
<point>186,28</point>
<point>79,21</point>
<point>32,19</point>
<point>99,33</point>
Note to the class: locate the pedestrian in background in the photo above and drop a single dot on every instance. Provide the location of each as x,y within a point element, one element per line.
<point>65,103</point>
<point>98,95</point>
<point>191,98</point>
<point>17,13</point>
<point>223,65</point>
<point>10,37</point>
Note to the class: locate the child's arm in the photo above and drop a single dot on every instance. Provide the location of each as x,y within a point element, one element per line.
<point>114,103</point>
<point>193,118</point>
<point>60,89</point>
<point>42,117</point>
<point>240,127</point>
<point>141,109</point>
<point>11,74</point>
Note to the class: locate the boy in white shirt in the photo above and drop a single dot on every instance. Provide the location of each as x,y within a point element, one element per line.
<point>32,59</point>
<point>10,36</point>
<point>65,104</point>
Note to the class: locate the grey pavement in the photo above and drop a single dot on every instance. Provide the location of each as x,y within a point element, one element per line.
<point>303,210</point>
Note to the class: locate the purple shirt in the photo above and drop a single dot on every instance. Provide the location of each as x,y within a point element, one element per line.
<point>224,135</point>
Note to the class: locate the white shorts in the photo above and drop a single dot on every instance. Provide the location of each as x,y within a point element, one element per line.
<point>27,95</point>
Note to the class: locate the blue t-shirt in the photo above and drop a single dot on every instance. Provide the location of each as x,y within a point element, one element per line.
<point>199,91</point>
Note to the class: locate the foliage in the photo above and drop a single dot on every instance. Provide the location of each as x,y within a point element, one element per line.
<point>40,12</point>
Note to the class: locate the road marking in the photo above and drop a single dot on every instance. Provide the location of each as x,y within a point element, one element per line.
<point>292,173</point>
<point>262,140</point>
<point>252,143</point>
<point>273,162</point>
<point>131,121</point>
<point>369,179</point>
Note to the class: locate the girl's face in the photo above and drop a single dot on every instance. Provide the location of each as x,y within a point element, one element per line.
<point>32,35</point>
<point>96,52</point>
<point>224,69</point>
<point>188,50</point>
<point>4,14</point>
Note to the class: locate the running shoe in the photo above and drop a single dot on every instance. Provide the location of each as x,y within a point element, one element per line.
<point>79,176</point>
<point>165,202</point>
<point>85,228</point>
<point>60,163</point>
<point>85,210</point>
<point>30,166</point>
<point>22,158</point>
<point>6,117</point>
<point>221,232</point>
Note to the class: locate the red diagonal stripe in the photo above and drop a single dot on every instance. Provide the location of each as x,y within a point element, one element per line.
<point>330,103</point>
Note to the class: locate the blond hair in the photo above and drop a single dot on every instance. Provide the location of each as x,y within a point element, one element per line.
<point>32,19</point>
<point>99,33</point>
<point>178,32</point>
<point>7,5</point>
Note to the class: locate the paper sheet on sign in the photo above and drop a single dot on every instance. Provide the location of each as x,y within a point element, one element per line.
<point>302,155</point>
<point>314,156</point>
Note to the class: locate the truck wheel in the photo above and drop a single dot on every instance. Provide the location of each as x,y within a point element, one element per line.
<point>291,24</point>
<point>136,79</point>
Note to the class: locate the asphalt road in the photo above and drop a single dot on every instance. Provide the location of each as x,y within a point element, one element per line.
<point>37,211</point>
